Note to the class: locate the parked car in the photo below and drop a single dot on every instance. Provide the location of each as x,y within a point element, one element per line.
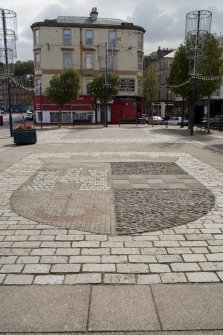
<point>29,115</point>
<point>178,120</point>
<point>155,119</point>
<point>217,122</point>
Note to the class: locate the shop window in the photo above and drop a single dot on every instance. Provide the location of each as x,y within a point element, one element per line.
<point>54,117</point>
<point>66,117</point>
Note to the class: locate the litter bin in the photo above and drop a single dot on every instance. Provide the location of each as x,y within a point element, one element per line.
<point>1,120</point>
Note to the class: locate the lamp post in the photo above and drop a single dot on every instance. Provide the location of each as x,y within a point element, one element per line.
<point>41,106</point>
<point>7,71</point>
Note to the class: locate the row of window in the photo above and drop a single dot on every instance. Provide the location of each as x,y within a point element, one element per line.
<point>89,61</point>
<point>126,85</point>
<point>89,37</point>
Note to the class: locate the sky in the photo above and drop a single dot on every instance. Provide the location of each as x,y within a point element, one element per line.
<point>163,20</point>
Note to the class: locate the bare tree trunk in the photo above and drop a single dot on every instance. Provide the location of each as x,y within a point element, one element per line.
<point>60,118</point>
<point>208,114</point>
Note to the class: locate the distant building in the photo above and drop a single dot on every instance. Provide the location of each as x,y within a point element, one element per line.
<point>77,42</point>
<point>21,92</point>
<point>161,60</point>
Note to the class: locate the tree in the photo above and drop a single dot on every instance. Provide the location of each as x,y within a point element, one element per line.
<point>103,92</point>
<point>150,81</point>
<point>23,68</point>
<point>62,88</point>
<point>209,64</point>
<point>96,88</point>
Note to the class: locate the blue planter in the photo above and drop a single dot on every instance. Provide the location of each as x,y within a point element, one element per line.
<point>25,136</point>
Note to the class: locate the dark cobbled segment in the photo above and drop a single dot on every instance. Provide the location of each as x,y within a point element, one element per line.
<point>145,210</point>
<point>145,168</point>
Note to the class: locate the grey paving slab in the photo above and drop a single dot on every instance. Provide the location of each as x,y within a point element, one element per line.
<point>43,308</point>
<point>189,307</point>
<point>119,308</point>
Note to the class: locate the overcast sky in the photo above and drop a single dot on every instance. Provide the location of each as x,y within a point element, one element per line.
<point>163,20</point>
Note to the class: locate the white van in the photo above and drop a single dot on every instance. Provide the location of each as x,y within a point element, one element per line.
<point>177,121</point>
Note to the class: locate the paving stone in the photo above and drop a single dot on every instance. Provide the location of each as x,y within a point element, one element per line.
<point>8,259</point>
<point>112,244</point>
<point>85,259</point>
<point>54,259</point>
<point>168,258</point>
<point>142,259</point>
<point>26,244</point>
<point>86,244</point>
<point>63,268</point>
<point>215,257</point>
<point>118,278</point>
<point>44,309</point>
<point>2,276</point>
<point>43,252</point>
<point>14,279</point>
<point>28,259</point>
<point>99,268</point>
<point>132,268</point>
<point>68,251</point>
<point>194,258</point>
<point>36,268</point>
<point>211,266</point>
<point>153,251</point>
<point>202,277</point>
<point>114,259</point>
<point>11,268</point>
<point>148,279</point>
<point>180,250</point>
<point>185,267</point>
<point>83,278</point>
<point>220,275</point>
<point>69,237</point>
<point>95,251</point>
<point>56,244</point>
<point>159,268</point>
<point>173,278</point>
<point>48,279</point>
<point>125,251</point>
<point>189,307</point>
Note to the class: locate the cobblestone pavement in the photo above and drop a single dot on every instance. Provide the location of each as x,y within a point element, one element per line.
<point>38,248</point>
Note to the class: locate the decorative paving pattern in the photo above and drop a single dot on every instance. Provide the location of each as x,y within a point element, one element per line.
<point>145,168</point>
<point>141,210</point>
<point>81,197</point>
<point>73,198</point>
<point>32,252</point>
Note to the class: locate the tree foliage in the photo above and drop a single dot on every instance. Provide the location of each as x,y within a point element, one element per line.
<point>23,68</point>
<point>64,87</point>
<point>150,81</point>
<point>96,88</point>
<point>209,64</point>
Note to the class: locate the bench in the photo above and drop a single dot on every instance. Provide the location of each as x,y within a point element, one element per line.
<point>82,122</point>
<point>132,121</point>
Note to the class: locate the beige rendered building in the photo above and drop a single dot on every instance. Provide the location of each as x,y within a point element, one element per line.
<point>89,45</point>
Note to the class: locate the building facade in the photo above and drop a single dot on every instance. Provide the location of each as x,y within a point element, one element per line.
<point>164,99</point>
<point>88,45</point>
